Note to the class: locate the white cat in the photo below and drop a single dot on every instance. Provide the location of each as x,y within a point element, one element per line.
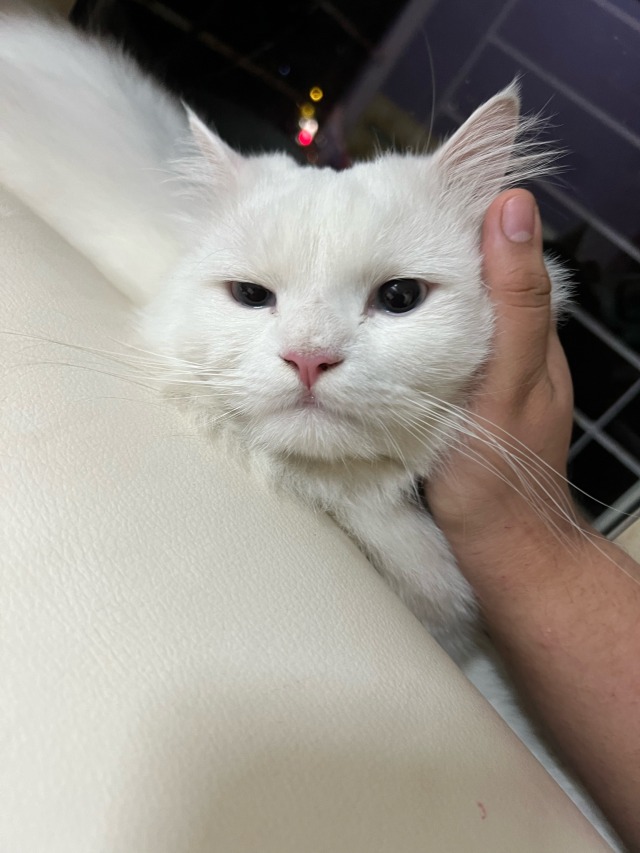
<point>330,323</point>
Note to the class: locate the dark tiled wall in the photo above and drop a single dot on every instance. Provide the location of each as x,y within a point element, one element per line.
<point>586,47</point>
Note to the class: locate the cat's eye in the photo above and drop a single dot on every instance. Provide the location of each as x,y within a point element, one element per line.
<point>400,295</point>
<point>252,295</point>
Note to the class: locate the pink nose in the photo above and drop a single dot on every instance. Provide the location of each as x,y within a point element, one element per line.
<point>311,366</point>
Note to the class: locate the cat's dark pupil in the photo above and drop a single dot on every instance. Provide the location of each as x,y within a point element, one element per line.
<point>251,294</point>
<point>399,295</point>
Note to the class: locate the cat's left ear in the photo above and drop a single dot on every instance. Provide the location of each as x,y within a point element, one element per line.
<point>221,161</point>
<point>483,156</point>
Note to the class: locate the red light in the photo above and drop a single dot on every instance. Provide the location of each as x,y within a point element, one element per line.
<point>304,138</point>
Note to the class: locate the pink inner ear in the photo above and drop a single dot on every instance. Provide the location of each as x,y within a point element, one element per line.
<point>222,159</point>
<point>481,149</point>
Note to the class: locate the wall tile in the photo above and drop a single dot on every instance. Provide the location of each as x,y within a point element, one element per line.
<point>585,47</point>
<point>451,31</point>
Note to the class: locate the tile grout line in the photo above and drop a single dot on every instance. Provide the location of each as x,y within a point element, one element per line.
<point>475,53</point>
<point>605,418</point>
<point>613,10</point>
<point>610,444</point>
<point>565,90</point>
<point>601,331</point>
<point>595,222</point>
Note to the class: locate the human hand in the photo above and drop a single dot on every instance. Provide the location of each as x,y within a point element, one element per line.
<point>523,400</point>
<point>564,619</point>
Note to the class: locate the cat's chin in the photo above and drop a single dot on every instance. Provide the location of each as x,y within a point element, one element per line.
<point>314,433</point>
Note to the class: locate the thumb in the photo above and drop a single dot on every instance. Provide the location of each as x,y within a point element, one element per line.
<point>519,288</point>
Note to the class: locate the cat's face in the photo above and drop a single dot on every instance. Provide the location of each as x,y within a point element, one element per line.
<point>335,315</point>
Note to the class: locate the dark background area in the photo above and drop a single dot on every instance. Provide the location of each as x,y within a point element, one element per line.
<point>244,66</point>
<point>395,74</point>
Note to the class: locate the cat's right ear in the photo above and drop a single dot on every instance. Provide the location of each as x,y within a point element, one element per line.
<point>221,162</point>
<point>493,149</point>
<point>481,148</point>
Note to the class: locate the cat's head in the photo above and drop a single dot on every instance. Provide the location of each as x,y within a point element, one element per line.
<point>334,314</point>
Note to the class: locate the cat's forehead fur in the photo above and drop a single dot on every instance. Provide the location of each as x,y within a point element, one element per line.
<point>277,223</point>
<point>316,228</point>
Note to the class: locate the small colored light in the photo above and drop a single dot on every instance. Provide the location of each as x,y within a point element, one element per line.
<point>316,94</point>
<point>309,124</point>
<point>307,111</point>
<point>304,138</point>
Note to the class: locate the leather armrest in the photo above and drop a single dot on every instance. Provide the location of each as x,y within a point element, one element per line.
<point>191,664</point>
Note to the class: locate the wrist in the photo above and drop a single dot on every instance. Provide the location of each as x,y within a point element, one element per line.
<point>520,546</point>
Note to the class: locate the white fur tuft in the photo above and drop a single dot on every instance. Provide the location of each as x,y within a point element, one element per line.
<point>87,140</point>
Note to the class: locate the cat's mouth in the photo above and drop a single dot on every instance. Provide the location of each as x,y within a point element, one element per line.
<point>310,405</point>
<point>309,400</point>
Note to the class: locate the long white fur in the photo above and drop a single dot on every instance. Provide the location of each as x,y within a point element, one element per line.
<point>87,140</point>
<point>98,150</point>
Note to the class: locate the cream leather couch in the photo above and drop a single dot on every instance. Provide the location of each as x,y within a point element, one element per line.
<point>189,665</point>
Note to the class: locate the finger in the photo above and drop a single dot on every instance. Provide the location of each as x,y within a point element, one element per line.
<point>519,287</point>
